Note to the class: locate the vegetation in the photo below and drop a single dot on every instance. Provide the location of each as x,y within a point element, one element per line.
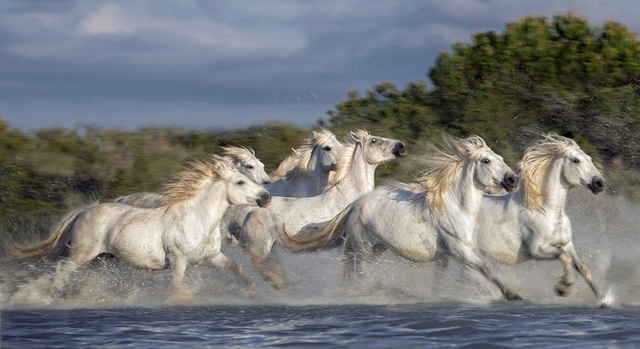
<point>539,75</point>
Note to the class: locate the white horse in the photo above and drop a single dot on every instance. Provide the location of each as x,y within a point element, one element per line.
<point>176,235</point>
<point>531,223</point>
<point>306,171</point>
<point>422,222</point>
<point>244,160</point>
<point>354,176</point>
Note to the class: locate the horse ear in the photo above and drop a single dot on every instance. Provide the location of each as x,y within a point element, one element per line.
<point>353,136</point>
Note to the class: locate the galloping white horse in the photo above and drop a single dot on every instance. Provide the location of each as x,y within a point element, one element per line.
<point>244,160</point>
<point>306,171</point>
<point>176,235</point>
<point>426,221</point>
<point>531,223</point>
<point>354,176</point>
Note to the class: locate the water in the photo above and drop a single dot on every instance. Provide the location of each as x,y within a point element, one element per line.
<point>351,326</point>
<point>111,304</point>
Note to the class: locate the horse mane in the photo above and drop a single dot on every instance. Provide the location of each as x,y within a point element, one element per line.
<point>194,178</point>
<point>346,157</point>
<point>444,165</point>
<point>239,154</point>
<point>297,164</point>
<point>535,163</point>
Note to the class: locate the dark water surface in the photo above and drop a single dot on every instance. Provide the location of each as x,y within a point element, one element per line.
<point>499,325</point>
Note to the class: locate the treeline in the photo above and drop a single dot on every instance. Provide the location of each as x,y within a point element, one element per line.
<point>539,75</point>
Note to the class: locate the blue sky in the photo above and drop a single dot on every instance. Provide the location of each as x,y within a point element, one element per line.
<point>227,64</point>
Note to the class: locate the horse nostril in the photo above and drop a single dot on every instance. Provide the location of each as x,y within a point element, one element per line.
<point>597,184</point>
<point>264,199</point>
<point>399,149</point>
<point>510,181</point>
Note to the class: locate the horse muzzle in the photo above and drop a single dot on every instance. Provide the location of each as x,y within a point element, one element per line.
<point>596,185</point>
<point>399,149</point>
<point>264,199</point>
<point>510,182</point>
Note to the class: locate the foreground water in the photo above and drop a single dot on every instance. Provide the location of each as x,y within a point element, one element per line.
<point>351,326</point>
<point>110,304</point>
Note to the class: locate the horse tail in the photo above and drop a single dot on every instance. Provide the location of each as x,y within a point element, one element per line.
<point>60,237</point>
<point>326,236</point>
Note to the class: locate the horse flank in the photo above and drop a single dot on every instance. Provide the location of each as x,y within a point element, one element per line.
<point>297,164</point>
<point>445,165</point>
<point>535,163</point>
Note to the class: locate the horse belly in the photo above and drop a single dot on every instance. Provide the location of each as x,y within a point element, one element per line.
<point>138,247</point>
<point>148,259</point>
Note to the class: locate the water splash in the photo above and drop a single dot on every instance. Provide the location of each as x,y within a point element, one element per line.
<point>604,235</point>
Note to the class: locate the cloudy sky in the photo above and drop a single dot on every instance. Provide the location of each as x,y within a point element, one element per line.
<point>226,64</point>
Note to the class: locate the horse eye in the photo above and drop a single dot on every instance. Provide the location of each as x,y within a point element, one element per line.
<point>486,161</point>
<point>575,161</point>
<point>373,140</point>
<point>240,182</point>
<point>326,148</point>
<point>249,166</point>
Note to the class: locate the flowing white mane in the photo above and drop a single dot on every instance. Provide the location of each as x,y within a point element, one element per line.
<point>535,163</point>
<point>297,164</point>
<point>239,154</point>
<point>193,179</point>
<point>346,157</point>
<point>445,165</point>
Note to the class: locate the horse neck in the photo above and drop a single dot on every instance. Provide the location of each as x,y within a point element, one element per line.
<point>208,205</point>
<point>361,175</point>
<point>463,196</point>
<point>316,177</point>
<point>554,192</point>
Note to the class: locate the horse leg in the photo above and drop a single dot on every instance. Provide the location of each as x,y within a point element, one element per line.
<point>471,259</point>
<point>350,263</point>
<point>66,269</point>
<point>584,271</point>
<point>178,270</point>
<point>442,264</point>
<point>270,269</point>
<point>568,278</point>
<point>221,261</point>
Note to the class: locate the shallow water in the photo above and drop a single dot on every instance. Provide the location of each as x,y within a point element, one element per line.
<point>405,304</point>
<point>498,325</point>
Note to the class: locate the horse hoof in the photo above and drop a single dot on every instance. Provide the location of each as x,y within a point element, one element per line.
<point>562,291</point>
<point>513,296</point>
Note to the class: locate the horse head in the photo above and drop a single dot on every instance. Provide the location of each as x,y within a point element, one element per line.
<point>245,161</point>
<point>377,149</point>
<point>578,170</point>
<point>327,150</point>
<point>241,190</point>
<point>491,173</point>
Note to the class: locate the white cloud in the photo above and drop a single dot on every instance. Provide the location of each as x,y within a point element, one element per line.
<point>189,33</point>
<point>107,19</point>
<point>276,51</point>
